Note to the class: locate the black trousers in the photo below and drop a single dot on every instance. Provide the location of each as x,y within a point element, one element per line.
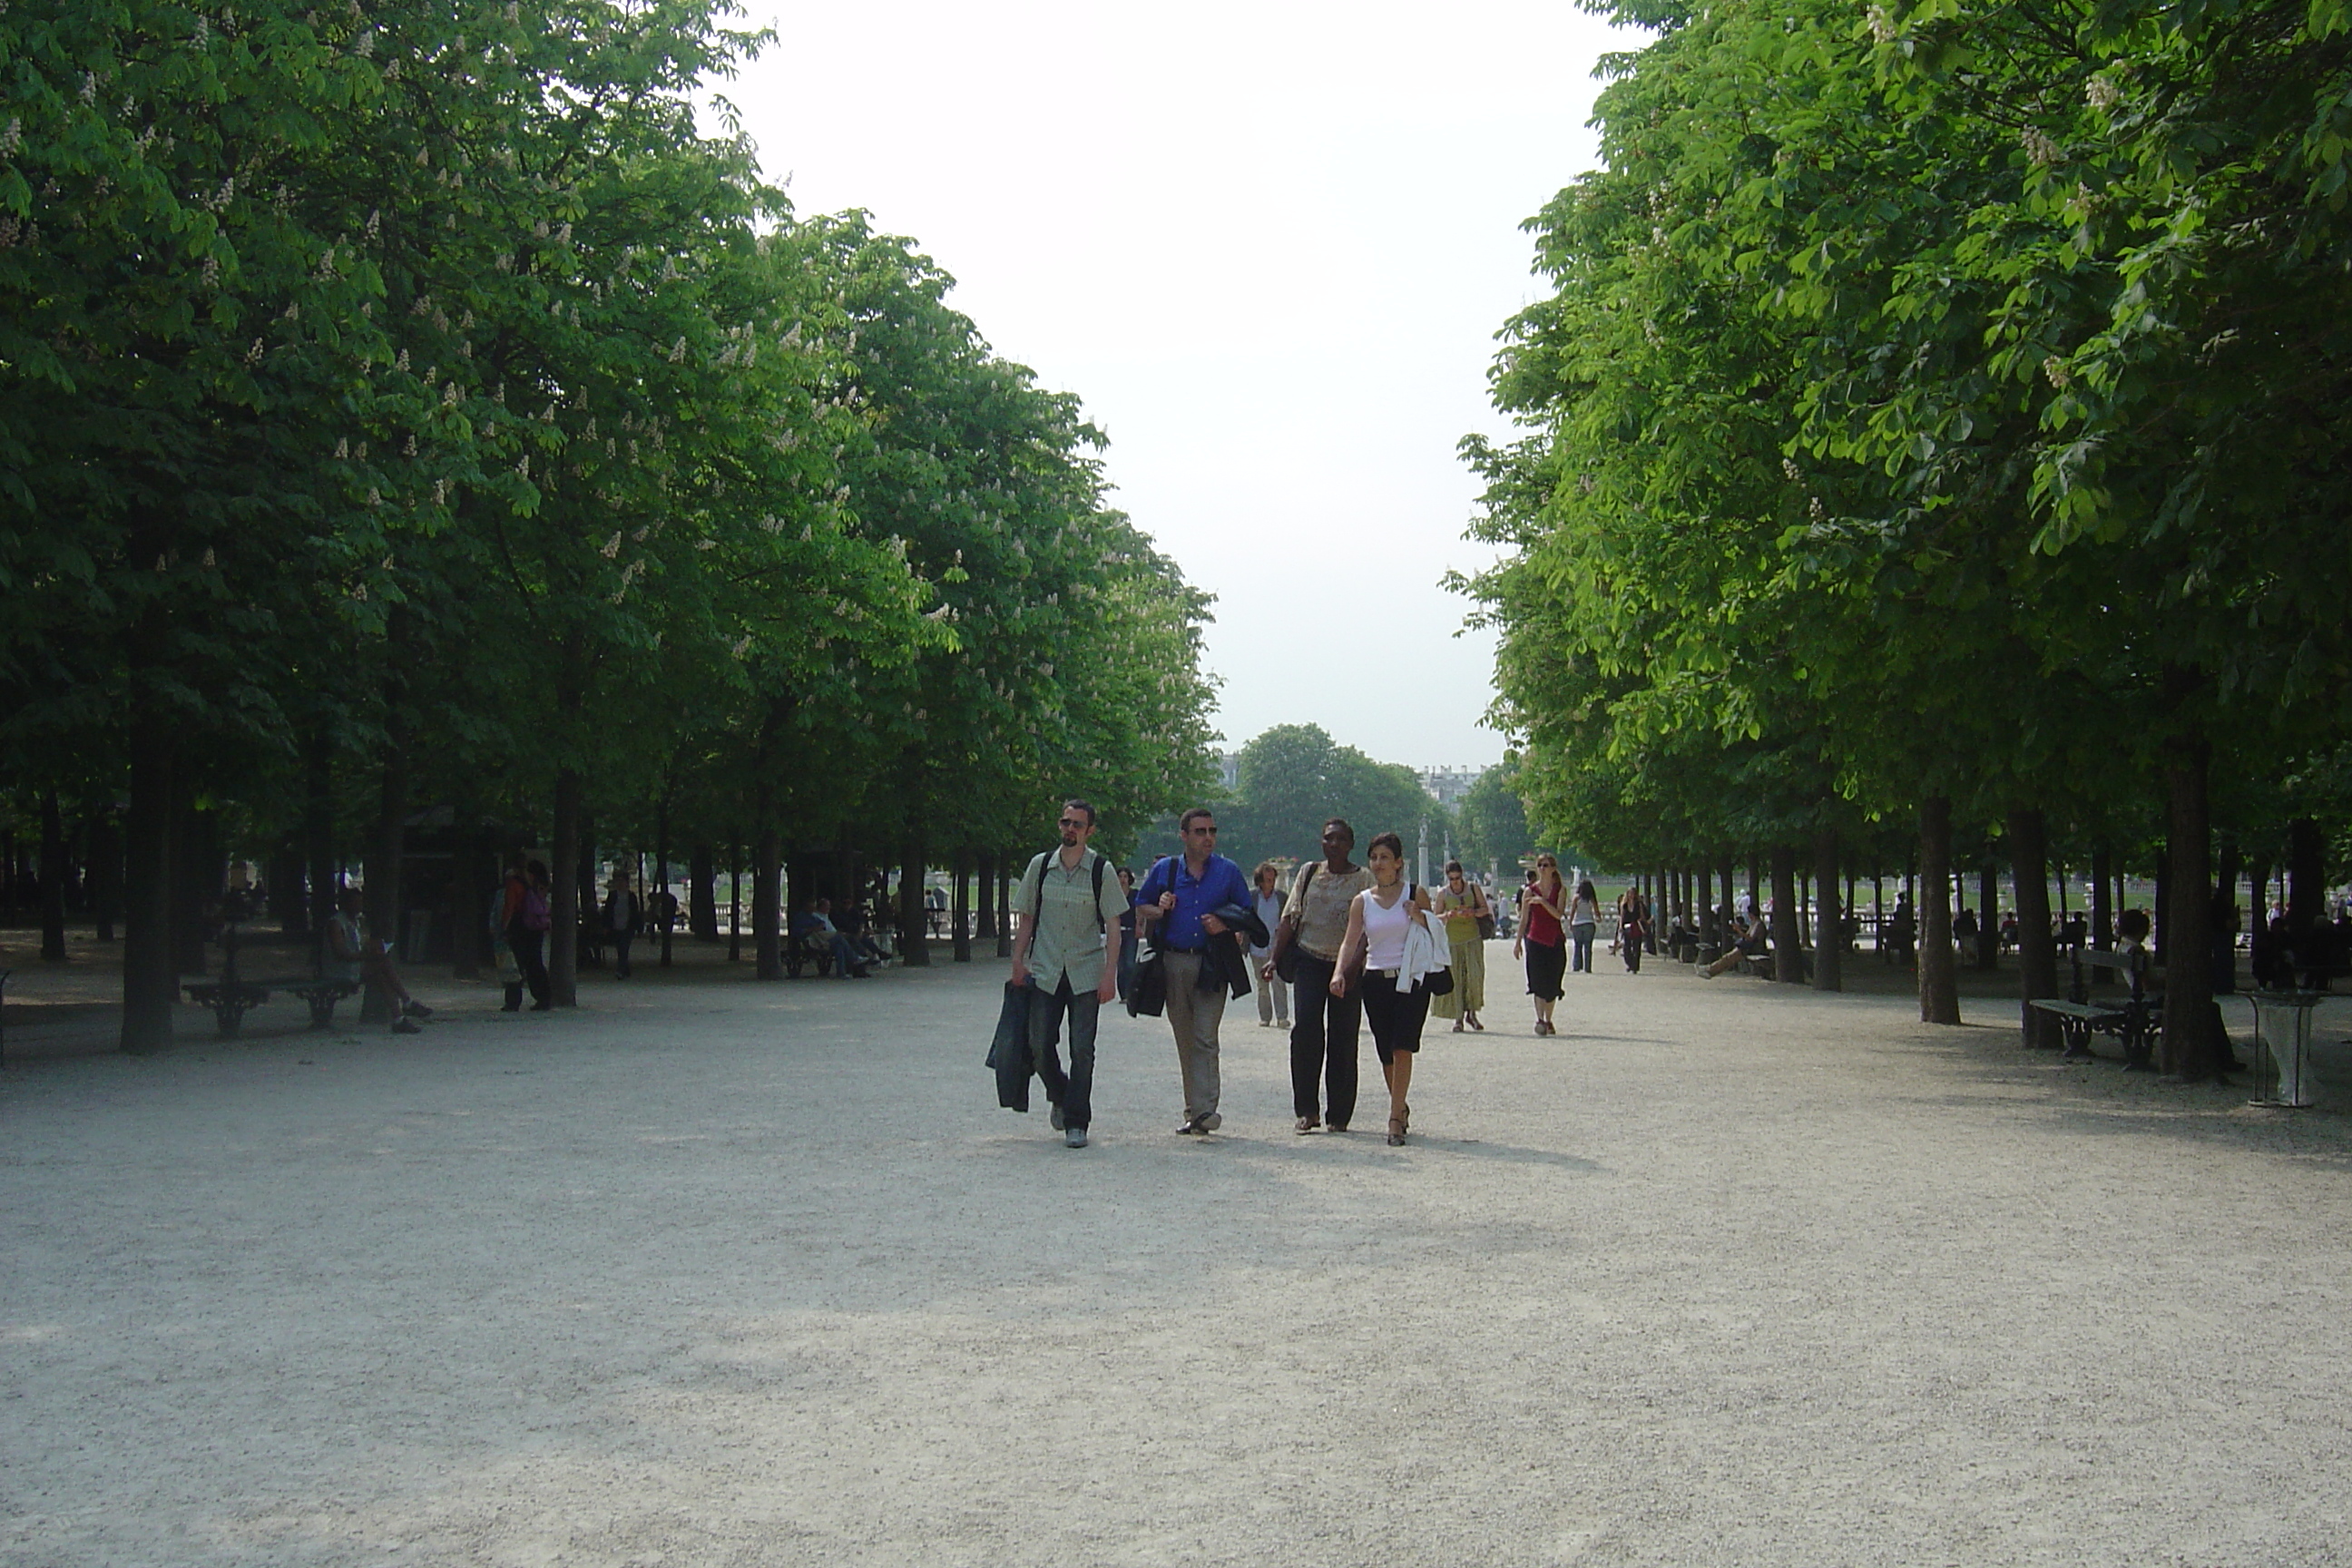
<point>1324,1045</point>
<point>530,948</point>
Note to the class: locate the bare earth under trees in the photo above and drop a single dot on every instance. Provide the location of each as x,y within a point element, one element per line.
<point>722,1272</point>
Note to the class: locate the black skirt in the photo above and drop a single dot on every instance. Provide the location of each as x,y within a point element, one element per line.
<point>1546,965</point>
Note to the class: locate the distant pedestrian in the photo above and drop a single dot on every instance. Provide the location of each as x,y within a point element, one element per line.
<point>1463,904</point>
<point>1178,907</point>
<point>1273,995</point>
<point>1542,941</point>
<point>1065,955</point>
<point>621,917</point>
<point>1327,1026</point>
<point>1127,939</point>
<point>1380,923</point>
<point>1633,927</point>
<point>1583,922</point>
<point>526,921</point>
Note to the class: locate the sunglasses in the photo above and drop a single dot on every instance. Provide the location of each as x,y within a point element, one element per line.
<point>1075,822</point>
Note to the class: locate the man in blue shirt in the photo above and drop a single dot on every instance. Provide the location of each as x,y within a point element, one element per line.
<point>1173,906</point>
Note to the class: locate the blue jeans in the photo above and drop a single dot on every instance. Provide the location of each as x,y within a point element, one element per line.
<point>1581,949</point>
<point>1074,1091</point>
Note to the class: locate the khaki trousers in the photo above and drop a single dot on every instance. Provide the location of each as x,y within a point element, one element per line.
<point>1194,1014</point>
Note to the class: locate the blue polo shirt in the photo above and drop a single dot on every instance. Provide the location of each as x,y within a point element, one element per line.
<point>1221,882</point>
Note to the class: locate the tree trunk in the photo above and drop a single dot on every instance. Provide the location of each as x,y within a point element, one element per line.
<point>1788,925</point>
<point>914,945</point>
<point>1730,902</point>
<point>661,870</point>
<point>2226,924</point>
<point>384,854</point>
<point>986,926</point>
<point>735,902</point>
<point>105,880</point>
<point>53,877</point>
<point>1829,929</point>
<point>2306,885</point>
<point>151,985</point>
<point>1002,895</point>
<point>2191,1047</point>
<point>2037,952</point>
<point>701,897</point>
<point>1988,917</point>
<point>563,905</point>
<point>469,882</point>
<point>2103,908</point>
<point>1939,981</point>
<point>767,895</point>
<point>318,834</point>
<point>961,913</point>
<point>196,875</point>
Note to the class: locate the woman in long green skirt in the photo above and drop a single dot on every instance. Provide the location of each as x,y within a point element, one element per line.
<point>1462,903</point>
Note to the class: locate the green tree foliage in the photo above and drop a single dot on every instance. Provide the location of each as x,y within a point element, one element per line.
<point>1295,778</point>
<point>1890,438</point>
<point>412,403</point>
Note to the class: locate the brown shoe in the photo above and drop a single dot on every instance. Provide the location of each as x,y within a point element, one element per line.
<point>1309,1123</point>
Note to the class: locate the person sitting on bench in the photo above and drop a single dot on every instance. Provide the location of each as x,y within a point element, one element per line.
<point>356,958</point>
<point>1747,941</point>
<point>816,924</point>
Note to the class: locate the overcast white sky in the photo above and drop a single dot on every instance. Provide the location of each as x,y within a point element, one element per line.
<point>1269,246</point>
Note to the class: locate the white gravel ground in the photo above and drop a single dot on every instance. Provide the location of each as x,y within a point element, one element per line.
<point>716,1273</point>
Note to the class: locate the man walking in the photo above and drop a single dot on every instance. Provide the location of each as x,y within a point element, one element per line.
<point>1178,904</point>
<point>1070,902</point>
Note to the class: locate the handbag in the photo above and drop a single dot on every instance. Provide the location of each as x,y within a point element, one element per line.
<point>510,972</point>
<point>1286,957</point>
<point>1486,918</point>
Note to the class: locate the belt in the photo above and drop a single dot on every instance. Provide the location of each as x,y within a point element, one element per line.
<point>1196,949</point>
<point>1385,973</point>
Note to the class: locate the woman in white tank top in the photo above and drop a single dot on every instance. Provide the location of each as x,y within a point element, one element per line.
<point>1378,920</point>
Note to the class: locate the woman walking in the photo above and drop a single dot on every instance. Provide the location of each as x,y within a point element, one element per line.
<point>1395,1002</point>
<point>1463,904</point>
<point>1325,1022</point>
<point>526,913</point>
<point>1541,941</point>
<point>1583,920</point>
<point>1633,926</point>
<point>1273,995</point>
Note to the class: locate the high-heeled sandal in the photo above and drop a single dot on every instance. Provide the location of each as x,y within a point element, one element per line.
<point>1396,1131</point>
<point>1457,1025</point>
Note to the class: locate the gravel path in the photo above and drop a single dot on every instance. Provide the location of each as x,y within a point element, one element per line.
<point>714,1273</point>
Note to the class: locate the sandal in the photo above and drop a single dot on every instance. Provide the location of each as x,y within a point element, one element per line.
<point>1457,1025</point>
<point>1396,1133</point>
<point>1309,1123</point>
<point>1477,1025</point>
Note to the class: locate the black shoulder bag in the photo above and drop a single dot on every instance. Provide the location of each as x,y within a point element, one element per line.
<point>1285,947</point>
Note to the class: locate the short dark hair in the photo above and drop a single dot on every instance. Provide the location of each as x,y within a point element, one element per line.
<point>1454,865</point>
<point>1184,823</point>
<point>1396,845</point>
<point>1087,806</point>
<point>2132,924</point>
<point>1343,824</point>
<point>1263,867</point>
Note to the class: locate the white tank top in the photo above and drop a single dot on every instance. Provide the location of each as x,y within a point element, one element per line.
<point>1384,929</point>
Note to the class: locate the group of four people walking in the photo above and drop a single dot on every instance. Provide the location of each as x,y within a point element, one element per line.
<point>1360,945</point>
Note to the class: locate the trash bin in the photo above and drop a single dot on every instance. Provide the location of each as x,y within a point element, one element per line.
<point>2282,1045</point>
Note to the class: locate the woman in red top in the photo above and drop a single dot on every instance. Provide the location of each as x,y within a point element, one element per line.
<point>1541,941</point>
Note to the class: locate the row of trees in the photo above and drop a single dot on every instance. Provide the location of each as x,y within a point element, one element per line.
<point>1937,425</point>
<point>408,404</point>
<point>1294,777</point>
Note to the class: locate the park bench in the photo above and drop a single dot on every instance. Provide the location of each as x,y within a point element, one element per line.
<point>803,949</point>
<point>2134,1022</point>
<point>230,997</point>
